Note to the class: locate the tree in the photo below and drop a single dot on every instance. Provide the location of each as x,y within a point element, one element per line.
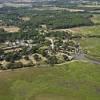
<point>37,57</point>
<point>26,57</point>
<point>66,57</point>
<point>11,57</point>
<point>16,65</point>
<point>52,60</point>
<point>1,51</point>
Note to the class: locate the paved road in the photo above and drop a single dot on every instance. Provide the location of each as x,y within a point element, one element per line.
<point>82,56</point>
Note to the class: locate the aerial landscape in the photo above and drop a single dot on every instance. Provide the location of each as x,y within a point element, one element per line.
<point>49,50</point>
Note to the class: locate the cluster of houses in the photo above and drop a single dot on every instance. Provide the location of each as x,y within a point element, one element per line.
<point>52,49</point>
<point>19,43</point>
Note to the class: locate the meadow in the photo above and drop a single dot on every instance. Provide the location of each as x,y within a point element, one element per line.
<point>96,18</point>
<point>87,30</point>
<point>91,45</point>
<point>73,81</point>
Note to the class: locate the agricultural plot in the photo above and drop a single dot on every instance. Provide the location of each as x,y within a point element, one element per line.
<point>91,46</point>
<point>10,29</point>
<point>87,30</point>
<point>77,80</point>
<point>96,18</point>
<point>25,18</point>
<point>89,5</point>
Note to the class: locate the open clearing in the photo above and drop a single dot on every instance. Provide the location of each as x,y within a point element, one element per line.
<point>96,18</point>
<point>74,81</point>
<point>89,6</point>
<point>92,46</point>
<point>87,30</point>
<point>25,18</point>
<point>59,8</point>
<point>10,29</point>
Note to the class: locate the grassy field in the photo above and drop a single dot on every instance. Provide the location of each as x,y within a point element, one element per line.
<point>96,18</point>
<point>89,6</point>
<point>92,46</point>
<point>74,81</point>
<point>87,30</point>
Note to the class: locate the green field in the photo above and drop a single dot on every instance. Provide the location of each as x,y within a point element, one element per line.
<point>87,30</point>
<point>74,81</point>
<point>89,6</point>
<point>96,18</point>
<point>92,46</point>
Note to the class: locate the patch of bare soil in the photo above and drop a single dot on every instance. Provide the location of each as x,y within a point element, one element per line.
<point>76,29</point>
<point>10,29</point>
<point>25,18</point>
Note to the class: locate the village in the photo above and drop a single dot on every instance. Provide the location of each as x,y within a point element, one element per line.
<point>32,37</point>
<point>52,50</point>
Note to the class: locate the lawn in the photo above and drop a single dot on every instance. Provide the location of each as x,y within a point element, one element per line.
<point>73,81</point>
<point>92,46</point>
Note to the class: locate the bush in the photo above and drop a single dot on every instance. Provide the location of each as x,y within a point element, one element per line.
<point>11,57</point>
<point>26,58</point>
<point>14,65</point>
<point>52,60</point>
<point>37,57</point>
<point>30,64</point>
